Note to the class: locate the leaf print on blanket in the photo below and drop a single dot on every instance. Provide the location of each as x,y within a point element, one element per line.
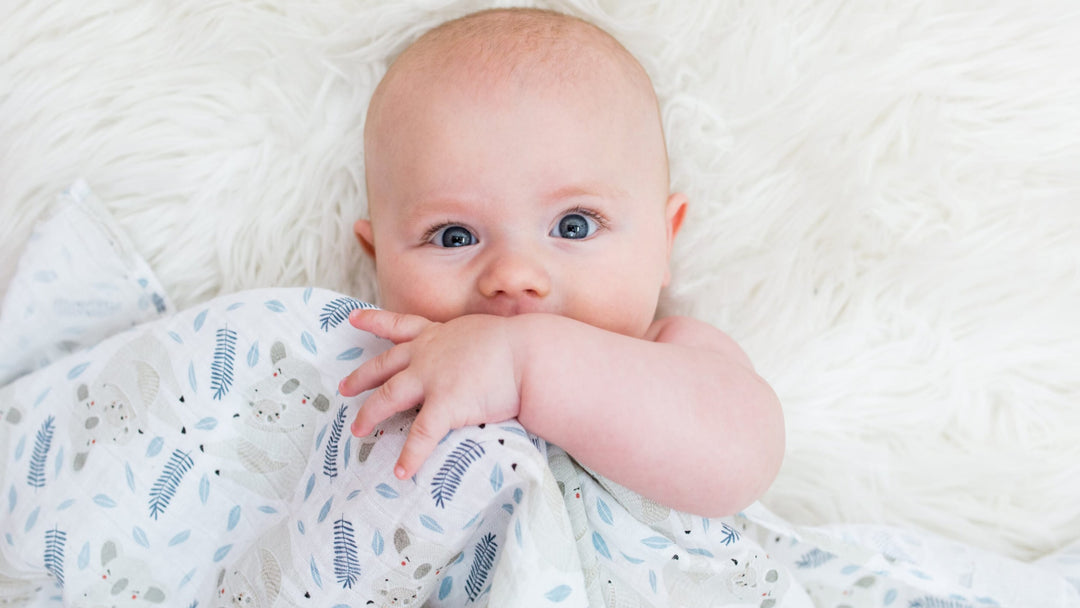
<point>337,310</point>
<point>165,487</point>
<point>55,539</point>
<point>483,560</point>
<point>330,467</point>
<point>42,442</point>
<point>221,370</point>
<point>446,481</point>
<point>346,555</point>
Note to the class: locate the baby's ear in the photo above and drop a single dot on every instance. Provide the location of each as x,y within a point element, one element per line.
<point>364,234</point>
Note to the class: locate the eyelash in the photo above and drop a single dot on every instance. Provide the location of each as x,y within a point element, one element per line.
<point>596,216</point>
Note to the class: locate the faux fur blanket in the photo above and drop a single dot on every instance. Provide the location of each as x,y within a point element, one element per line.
<point>884,207</point>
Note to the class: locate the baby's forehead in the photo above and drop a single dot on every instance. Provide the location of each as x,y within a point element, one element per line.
<point>520,46</point>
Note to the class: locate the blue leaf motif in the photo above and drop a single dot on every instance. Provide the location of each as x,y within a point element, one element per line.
<point>155,447</point>
<point>32,520</point>
<point>130,476</point>
<point>310,486</point>
<point>431,524</point>
<point>12,499</point>
<point>179,538</point>
<point>330,458</point>
<point>496,478</point>
<point>253,354</point>
<point>386,491</point>
<point>308,342</point>
<point>204,489</point>
<point>702,552</point>
<point>84,556</point>
<point>221,369</point>
<point>346,554</point>
<point>483,559</point>
<point>517,532</point>
<point>186,580</point>
<point>102,500</point>
<point>849,569</point>
<point>315,576</point>
<point>377,543</point>
<point>325,509</point>
<point>55,540</point>
<point>307,295</point>
<point>600,545</point>
<point>352,354</point>
<point>140,537</point>
<point>199,320</point>
<point>191,377</point>
<point>558,594</point>
<point>632,560</point>
<point>176,337</point>
<point>20,448</point>
<point>604,511</point>
<point>234,306</point>
<point>652,580</point>
<point>446,587</point>
<point>337,310</point>
<point>234,518</point>
<point>656,542</point>
<point>445,482</point>
<point>206,424</point>
<point>267,509</point>
<point>221,553</point>
<point>35,477</point>
<point>275,306</point>
<point>77,370</point>
<point>161,494</point>
<point>890,596</point>
<point>66,504</point>
<point>41,397</point>
<point>517,495</point>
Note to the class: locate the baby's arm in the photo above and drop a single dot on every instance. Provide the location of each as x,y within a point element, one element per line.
<point>680,417</point>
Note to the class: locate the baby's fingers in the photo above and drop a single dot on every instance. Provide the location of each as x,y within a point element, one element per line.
<point>393,326</point>
<point>430,426</point>
<point>401,392</point>
<point>375,371</point>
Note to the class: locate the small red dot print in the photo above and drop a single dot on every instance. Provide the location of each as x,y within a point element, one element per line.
<point>577,495</point>
<point>303,401</point>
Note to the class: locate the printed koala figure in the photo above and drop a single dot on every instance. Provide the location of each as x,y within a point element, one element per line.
<point>256,579</point>
<point>123,582</point>
<point>417,559</point>
<point>137,381</point>
<point>392,596</point>
<point>275,423</point>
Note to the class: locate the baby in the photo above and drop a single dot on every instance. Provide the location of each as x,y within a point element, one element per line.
<point>521,225</point>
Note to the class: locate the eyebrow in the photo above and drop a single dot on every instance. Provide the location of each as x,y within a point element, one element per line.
<point>597,190</point>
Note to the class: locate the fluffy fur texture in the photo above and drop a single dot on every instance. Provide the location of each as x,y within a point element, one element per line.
<point>884,207</point>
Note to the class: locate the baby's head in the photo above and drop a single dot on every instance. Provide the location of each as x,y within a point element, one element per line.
<point>516,163</point>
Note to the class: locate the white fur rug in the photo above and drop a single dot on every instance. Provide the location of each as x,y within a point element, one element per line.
<point>885,207</point>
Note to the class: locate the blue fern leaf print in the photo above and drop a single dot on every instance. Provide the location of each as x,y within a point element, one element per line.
<point>42,442</point>
<point>346,555</point>
<point>165,487</point>
<point>483,560</point>
<point>330,459</point>
<point>814,558</point>
<point>337,310</point>
<point>730,534</point>
<point>221,370</point>
<point>929,601</point>
<point>446,481</point>
<point>54,553</point>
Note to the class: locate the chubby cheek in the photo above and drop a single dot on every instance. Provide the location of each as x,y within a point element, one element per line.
<point>435,297</point>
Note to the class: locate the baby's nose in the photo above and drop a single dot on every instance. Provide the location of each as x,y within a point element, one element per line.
<point>515,275</point>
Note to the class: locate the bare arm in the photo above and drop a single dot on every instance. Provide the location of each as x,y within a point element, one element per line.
<point>681,418</point>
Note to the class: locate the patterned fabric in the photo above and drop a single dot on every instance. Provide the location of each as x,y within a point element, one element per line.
<point>205,460</point>
<point>78,282</point>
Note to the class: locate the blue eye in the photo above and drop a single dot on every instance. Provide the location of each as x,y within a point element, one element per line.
<point>454,236</point>
<point>574,226</point>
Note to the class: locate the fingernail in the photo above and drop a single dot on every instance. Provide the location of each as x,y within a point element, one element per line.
<point>341,388</point>
<point>399,472</point>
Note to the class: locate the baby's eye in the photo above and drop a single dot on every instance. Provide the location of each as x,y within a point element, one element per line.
<point>453,236</point>
<point>575,226</point>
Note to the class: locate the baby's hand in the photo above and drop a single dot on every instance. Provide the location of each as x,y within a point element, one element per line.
<point>462,371</point>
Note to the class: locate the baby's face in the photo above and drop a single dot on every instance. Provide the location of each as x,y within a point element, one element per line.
<point>502,200</point>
